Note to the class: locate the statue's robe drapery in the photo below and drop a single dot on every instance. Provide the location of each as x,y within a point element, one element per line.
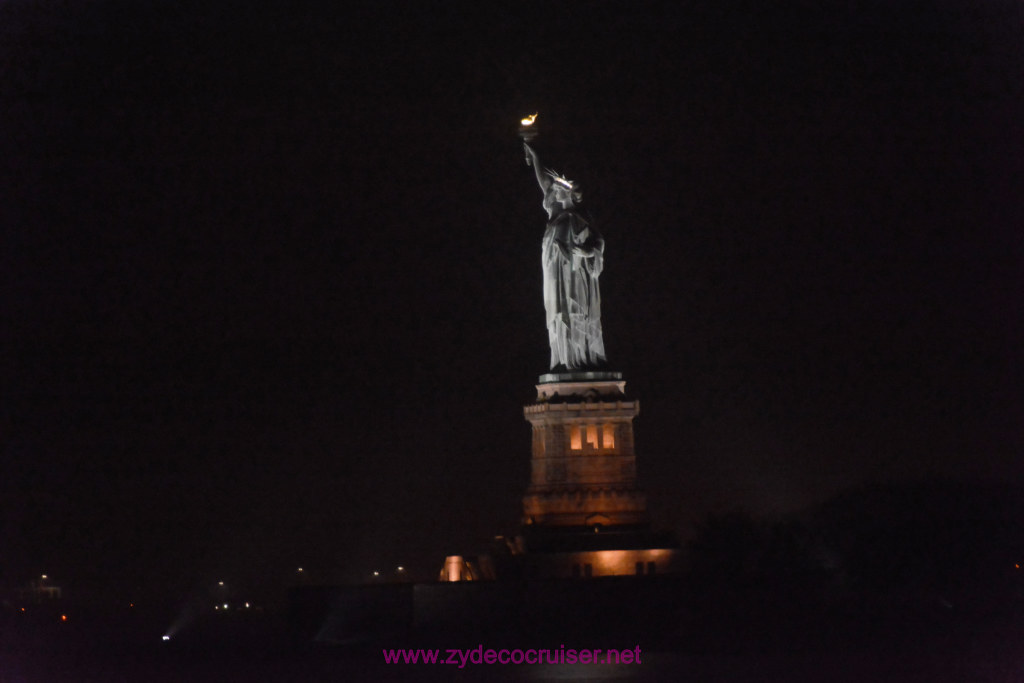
<point>572,299</point>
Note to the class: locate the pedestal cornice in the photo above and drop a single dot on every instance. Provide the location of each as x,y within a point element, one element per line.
<point>581,385</point>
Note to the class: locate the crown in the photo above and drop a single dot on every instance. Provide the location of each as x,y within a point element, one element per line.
<point>560,179</point>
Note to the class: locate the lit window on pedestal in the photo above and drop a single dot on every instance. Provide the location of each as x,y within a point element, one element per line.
<point>575,440</point>
<point>609,436</point>
<point>592,436</point>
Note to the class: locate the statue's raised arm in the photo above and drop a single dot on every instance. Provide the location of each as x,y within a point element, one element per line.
<point>533,160</point>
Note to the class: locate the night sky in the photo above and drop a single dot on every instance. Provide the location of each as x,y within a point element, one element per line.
<point>271,288</point>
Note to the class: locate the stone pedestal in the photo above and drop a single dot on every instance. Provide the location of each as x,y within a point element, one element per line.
<point>583,465</point>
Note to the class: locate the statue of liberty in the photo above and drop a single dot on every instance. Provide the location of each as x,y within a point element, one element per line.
<point>572,256</point>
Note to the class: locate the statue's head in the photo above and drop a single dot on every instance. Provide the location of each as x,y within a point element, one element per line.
<point>566,192</point>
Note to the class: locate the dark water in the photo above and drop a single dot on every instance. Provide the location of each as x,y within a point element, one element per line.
<point>127,646</point>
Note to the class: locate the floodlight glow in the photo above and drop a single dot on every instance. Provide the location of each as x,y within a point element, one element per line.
<point>166,638</point>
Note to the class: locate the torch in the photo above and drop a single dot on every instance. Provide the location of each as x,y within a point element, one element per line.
<point>528,132</point>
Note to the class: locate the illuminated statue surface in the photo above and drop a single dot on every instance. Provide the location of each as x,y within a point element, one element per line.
<point>572,256</point>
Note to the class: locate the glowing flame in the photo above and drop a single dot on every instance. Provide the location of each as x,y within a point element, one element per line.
<point>528,121</point>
